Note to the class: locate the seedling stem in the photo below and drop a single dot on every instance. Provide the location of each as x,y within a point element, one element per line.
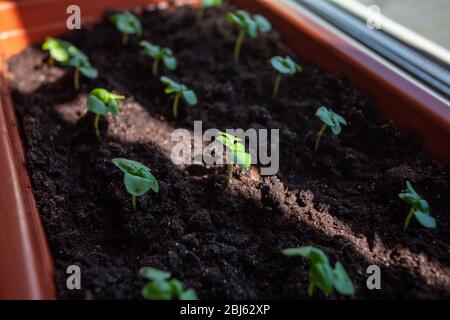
<point>76,79</point>
<point>319,136</point>
<point>155,67</point>
<point>96,121</point>
<point>229,172</point>
<point>133,202</point>
<point>408,218</point>
<point>176,102</point>
<point>277,85</point>
<point>124,39</point>
<point>237,48</point>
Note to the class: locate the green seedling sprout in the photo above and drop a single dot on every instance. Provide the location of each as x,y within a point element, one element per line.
<point>158,53</point>
<point>162,287</point>
<point>330,119</point>
<point>250,25</point>
<point>57,49</point>
<point>419,208</point>
<point>180,90</point>
<point>138,178</point>
<point>238,154</point>
<point>69,55</point>
<point>127,23</point>
<point>206,4</point>
<point>321,274</point>
<point>101,102</point>
<point>284,66</point>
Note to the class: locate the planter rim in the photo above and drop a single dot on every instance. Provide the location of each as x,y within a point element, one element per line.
<point>27,270</point>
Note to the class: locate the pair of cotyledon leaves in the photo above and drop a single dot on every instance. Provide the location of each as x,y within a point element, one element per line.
<point>101,101</point>
<point>321,274</point>
<point>127,23</point>
<point>420,206</point>
<point>161,287</point>
<point>251,24</point>
<point>138,178</point>
<point>285,65</point>
<point>238,154</point>
<point>157,52</point>
<point>333,120</point>
<point>175,87</point>
<point>67,54</point>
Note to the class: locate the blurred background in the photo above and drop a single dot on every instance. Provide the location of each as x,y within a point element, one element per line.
<point>429,18</point>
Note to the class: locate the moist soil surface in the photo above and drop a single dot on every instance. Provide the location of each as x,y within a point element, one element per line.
<point>224,241</point>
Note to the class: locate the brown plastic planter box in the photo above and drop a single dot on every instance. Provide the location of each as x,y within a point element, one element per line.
<point>26,268</point>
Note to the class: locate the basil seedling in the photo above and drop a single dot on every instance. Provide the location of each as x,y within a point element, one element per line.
<point>207,4</point>
<point>101,102</point>
<point>284,66</point>
<point>162,287</point>
<point>127,23</point>
<point>69,55</point>
<point>138,178</point>
<point>330,119</point>
<point>419,208</point>
<point>57,50</point>
<point>249,25</point>
<point>158,53</point>
<point>238,154</point>
<point>321,274</point>
<point>180,90</point>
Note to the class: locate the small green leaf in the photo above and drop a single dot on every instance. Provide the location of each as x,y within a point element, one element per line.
<point>136,186</point>
<point>189,294</point>
<point>59,54</point>
<point>177,287</point>
<point>317,256</point>
<point>336,128</point>
<point>252,25</point>
<point>170,62</point>
<point>57,49</point>
<point>89,72</point>
<point>101,101</point>
<point>262,23</point>
<point>127,22</point>
<point>409,198</point>
<point>242,159</point>
<point>425,220</point>
<point>169,83</point>
<point>252,28</point>
<point>157,290</point>
<point>321,275</point>
<point>300,251</point>
<point>333,120</point>
<point>125,27</point>
<point>138,178</point>
<point>324,115</point>
<point>96,106</point>
<point>150,49</point>
<point>341,280</point>
<point>411,189</point>
<point>154,274</point>
<point>190,97</point>
<point>285,65</point>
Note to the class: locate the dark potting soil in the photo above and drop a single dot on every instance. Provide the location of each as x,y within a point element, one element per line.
<point>223,241</point>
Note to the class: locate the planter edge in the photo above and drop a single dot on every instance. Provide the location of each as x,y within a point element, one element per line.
<point>28,271</point>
